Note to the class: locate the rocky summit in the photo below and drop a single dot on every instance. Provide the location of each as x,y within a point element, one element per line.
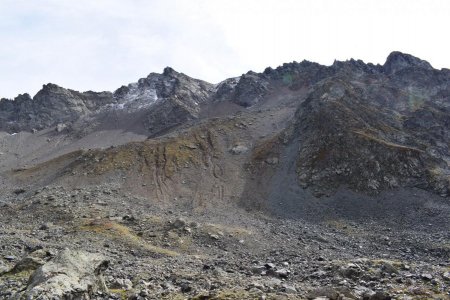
<point>301,182</point>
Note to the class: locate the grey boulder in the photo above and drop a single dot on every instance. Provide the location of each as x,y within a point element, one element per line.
<point>71,274</point>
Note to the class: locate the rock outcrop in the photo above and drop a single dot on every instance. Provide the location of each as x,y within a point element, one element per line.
<point>51,105</point>
<point>173,97</point>
<point>70,275</point>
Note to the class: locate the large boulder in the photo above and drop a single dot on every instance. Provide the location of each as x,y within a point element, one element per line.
<point>71,274</point>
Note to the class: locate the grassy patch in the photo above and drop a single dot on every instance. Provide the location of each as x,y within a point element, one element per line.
<point>380,262</point>
<point>168,156</point>
<point>24,275</point>
<point>122,233</point>
<point>121,293</point>
<point>267,148</point>
<point>341,225</point>
<point>385,143</point>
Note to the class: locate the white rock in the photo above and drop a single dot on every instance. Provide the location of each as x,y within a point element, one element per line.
<point>239,149</point>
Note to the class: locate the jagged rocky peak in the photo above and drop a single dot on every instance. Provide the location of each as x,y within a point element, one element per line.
<point>354,67</point>
<point>49,91</point>
<point>51,87</point>
<point>292,70</point>
<point>8,106</point>
<point>18,99</point>
<point>143,93</point>
<point>168,71</point>
<point>50,106</point>
<point>250,88</point>
<point>170,97</point>
<point>225,89</point>
<point>246,90</point>
<point>166,85</point>
<point>397,61</point>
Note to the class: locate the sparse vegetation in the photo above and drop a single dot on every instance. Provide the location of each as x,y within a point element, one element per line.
<point>123,234</point>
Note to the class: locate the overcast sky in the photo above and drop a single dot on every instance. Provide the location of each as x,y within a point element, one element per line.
<point>103,44</point>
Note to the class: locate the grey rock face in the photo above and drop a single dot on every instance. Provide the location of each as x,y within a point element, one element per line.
<point>353,133</point>
<point>397,61</point>
<point>298,75</point>
<point>50,106</point>
<point>174,98</point>
<point>249,90</point>
<point>171,98</point>
<point>225,89</point>
<point>70,275</point>
<point>169,84</point>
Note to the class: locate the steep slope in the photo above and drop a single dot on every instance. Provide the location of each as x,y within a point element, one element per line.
<point>347,138</point>
<point>196,168</point>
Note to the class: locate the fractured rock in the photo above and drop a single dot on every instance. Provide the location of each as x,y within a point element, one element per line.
<point>71,274</point>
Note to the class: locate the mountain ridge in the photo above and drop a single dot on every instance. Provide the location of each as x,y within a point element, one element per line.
<point>369,127</point>
<point>407,59</point>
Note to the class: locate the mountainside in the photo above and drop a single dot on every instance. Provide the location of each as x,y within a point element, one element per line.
<point>351,143</point>
<point>367,127</point>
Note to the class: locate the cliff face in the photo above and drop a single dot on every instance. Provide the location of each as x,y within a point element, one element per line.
<point>374,128</point>
<point>51,105</point>
<point>356,137</point>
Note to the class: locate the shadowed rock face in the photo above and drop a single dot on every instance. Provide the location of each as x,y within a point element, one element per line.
<point>50,106</point>
<point>348,138</point>
<point>398,61</point>
<point>249,90</point>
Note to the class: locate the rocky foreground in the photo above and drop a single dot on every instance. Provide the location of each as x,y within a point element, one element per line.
<point>103,244</point>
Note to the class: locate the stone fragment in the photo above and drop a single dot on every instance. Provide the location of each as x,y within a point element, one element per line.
<point>239,149</point>
<point>324,292</point>
<point>289,289</point>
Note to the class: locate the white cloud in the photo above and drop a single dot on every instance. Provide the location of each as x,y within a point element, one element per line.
<point>102,44</point>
